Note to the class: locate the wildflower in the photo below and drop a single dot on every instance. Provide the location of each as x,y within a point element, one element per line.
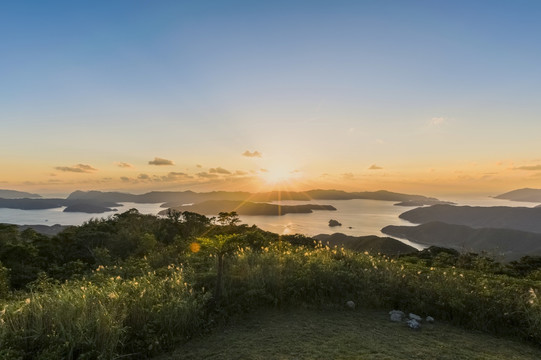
<point>533,296</point>
<point>112,295</point>
<point>27,301</point>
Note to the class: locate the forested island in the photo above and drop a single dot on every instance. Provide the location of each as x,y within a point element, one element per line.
<point>212,207</point>
<point>516,218</point>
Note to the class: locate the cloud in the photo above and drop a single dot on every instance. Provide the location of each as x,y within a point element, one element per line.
<point>348,176</point>
<point>199,166</point>
<point>79,168</point>
<point>264,170</point>
<point>206,175</point>
<point>219,170</point>
<point>125,179</point>
<point>143,177</point>
<point>247,153</point>
<point>175,176</point>
<point>375,167</point>
<point>123,165</point>
<point>437,121</point>
<point>159,162</point>
<point>530,168</point>
<point>241,173</point>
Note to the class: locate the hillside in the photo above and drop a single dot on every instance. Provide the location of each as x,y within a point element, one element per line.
<point>373,244</point>
<point>213,207</point>
<point>516,218</point>
<point>511,244</point>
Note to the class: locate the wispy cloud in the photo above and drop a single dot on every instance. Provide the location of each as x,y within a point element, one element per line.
<point>530,168</point>
<point>123,165</point>
<point>375,167</point>
<point>79,168</point>
<point>219,170</point>
<point>159,162</point>
<point>255,153</point>
<point>176,176</point>
<point>437,121</point>
<point>206,175</point>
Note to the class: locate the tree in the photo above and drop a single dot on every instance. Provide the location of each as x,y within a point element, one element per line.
<point>228,218</point>
<point>220,245</point>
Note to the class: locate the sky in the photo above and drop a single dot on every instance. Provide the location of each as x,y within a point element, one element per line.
<point>430,97</point>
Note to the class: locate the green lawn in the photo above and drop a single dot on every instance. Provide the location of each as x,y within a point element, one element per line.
<point>345,334</point>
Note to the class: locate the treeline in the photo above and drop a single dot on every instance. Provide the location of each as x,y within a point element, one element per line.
<point>76,251</point>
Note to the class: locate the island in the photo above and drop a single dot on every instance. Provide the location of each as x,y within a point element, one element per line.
<point>213,207</point>
<point>88,208</point>
<point>499,243</point>
<point>14,194</point>
<point>524,195</point>
<point>506,217</point>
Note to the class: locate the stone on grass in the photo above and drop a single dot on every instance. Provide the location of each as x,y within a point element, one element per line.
<point>429,319</point>
<point>396,315</point>
<point>417,318</point>
<point>413,324</point>
<point>350,304</point>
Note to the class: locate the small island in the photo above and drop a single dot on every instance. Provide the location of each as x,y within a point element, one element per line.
<point>333,223</point>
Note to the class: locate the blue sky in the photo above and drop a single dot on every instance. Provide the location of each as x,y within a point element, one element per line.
<point>438,94</point>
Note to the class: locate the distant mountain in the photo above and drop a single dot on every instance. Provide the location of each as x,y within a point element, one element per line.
<point>213,207</point>
<point>511,244</point>
<point>372,243</point>
<point>526,194</point>
<point>178,198</point>
<point>517,218</point>
<point>14,194</point>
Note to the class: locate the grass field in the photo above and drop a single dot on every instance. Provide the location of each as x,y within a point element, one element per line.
<point>345,334</point>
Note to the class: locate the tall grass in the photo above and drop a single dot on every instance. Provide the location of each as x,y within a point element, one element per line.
<point>102,317</point>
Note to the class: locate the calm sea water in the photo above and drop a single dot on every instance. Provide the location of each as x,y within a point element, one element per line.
<point>358,217</point>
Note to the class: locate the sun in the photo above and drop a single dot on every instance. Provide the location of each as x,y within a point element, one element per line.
<point>278,174</point>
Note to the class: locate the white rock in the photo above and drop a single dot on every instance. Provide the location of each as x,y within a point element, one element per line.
<point>413,324</point>
<point>412,316</point>
<point>396,315</point>
<point>429,319</point>
<point>350,304</point>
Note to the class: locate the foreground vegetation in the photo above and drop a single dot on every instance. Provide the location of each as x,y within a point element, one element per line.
<point>135,285</point>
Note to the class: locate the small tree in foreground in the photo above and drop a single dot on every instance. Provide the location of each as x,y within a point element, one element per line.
<point>220,245</point>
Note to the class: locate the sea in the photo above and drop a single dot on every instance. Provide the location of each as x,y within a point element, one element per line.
<point>358,217</point>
